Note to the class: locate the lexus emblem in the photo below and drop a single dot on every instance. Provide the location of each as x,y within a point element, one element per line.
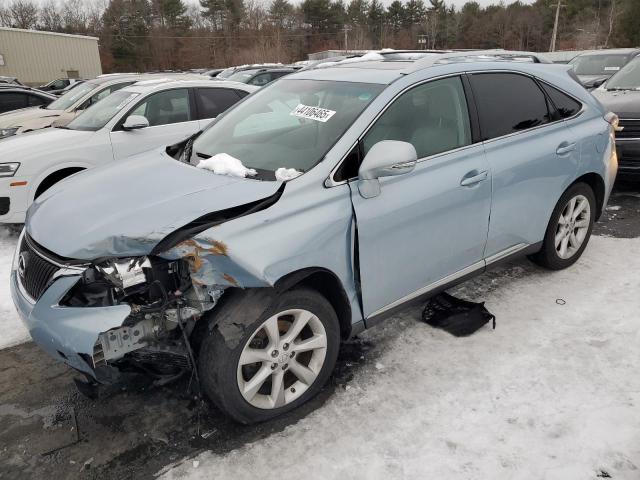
<point>22,264</point>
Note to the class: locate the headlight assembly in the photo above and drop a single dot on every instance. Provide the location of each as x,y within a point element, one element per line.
<point>8,169</point>
<point>8,132</point>
<point>125,273</point>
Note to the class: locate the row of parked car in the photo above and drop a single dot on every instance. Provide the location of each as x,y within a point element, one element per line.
<point>243,250</point>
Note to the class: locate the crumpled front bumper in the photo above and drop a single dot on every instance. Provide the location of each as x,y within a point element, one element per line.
<point>65,332</point>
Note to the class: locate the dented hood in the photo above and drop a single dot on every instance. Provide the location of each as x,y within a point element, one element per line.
<point>126,208</point>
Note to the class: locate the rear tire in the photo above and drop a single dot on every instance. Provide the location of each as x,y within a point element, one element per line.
<point>255,369</point>
<point>569,228</point>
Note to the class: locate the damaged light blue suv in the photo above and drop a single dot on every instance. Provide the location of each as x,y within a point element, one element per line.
<point>323,203</point>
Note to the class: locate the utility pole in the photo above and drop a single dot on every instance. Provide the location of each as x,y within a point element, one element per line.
<point>558,6</point>
<point>346,31</point>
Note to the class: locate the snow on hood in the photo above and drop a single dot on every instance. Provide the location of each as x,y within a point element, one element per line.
<point>225,164</point>
<point>284,174</point>
<point>125,208</point>
<point>20,117</point>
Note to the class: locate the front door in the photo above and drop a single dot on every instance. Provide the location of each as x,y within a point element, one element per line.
<point>170,119</point>
<point>428,226</point>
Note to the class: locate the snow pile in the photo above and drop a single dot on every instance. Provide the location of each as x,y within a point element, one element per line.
<point>284,174</point>
<point>551,394</point>
<point>12,328</point>
<point>225,164</point>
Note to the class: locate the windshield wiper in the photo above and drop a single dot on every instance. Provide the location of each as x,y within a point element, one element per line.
<point>621,89</point>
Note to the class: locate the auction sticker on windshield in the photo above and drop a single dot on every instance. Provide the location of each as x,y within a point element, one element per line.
<point>313,113</point>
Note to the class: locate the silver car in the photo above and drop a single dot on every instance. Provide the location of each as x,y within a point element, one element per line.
<point>313,209</point>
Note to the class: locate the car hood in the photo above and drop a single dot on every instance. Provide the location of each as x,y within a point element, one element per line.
<point>41,142</point>
<point>36,114</point>
<point>127,207</point>
<point>625,103</point>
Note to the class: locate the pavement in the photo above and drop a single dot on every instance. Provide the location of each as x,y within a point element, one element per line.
<point>133,430</point>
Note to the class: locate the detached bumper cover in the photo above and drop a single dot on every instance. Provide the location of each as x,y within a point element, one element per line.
<point>64,332</point>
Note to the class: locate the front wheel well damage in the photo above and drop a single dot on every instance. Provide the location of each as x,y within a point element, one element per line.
<point>54,178</point>
<point>238,305</point>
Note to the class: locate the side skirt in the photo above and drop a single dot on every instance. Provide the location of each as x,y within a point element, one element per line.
<point>422,295</point>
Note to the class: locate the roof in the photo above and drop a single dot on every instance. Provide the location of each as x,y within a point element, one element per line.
<point>385,66</point>
<point>116,78</point>
<point>146,86</point>
<point>612,51</point>
<point>40,32</point>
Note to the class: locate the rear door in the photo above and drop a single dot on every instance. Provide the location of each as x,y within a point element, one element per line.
<point>171,117</point>
<point>428,226</point>
<point>212,101</point>
<point>533,155</point>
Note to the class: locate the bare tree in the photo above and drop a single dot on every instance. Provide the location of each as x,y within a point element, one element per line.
<point>23,14</point>
<point>50,17</point>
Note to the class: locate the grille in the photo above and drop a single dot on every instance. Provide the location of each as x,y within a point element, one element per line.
<point>631,129</point>
<point>35,272</point>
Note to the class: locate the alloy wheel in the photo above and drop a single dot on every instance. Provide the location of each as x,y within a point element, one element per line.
<point>282,359</point>
<point>573,226</point>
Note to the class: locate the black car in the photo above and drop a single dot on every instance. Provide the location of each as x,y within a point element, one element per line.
<point>595,68</point>
<point>14,98</point>
<point>621,95</point>
<point>59,84</point>
<point>259,75</point>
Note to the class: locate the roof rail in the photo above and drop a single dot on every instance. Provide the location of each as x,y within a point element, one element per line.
<point>493,55</point>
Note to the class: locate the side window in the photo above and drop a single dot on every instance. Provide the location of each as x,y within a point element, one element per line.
<point>60,84</point>
<point>12,101</point>
<point>35,101</point>
<point>213,101</point>
<point>261,79</point>
<point>242,93</point>
<point>103,94</point>
<point>508,103</point>
<point>565,105</point>
<point>432,116</point>
<point>164,108</point>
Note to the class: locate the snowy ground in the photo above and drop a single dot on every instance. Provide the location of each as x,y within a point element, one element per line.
<point>553,393</point>
<point>13,331</point>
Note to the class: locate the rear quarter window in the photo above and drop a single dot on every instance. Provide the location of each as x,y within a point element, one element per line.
<point>508,103</point>
<point>565,105</point>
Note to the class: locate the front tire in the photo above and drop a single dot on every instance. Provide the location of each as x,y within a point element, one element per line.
<point>569,228</point>
<point>271,364</point>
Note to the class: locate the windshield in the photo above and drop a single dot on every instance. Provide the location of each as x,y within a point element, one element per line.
<point>626,79</point>
<point>72,96</point>
<point>598,64</point>
<point>226,72</point>
<point>97,116</point>
<point>243,76</point>
<point>290,124</point>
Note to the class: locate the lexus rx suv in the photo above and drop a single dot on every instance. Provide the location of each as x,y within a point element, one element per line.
<point>313,209</point>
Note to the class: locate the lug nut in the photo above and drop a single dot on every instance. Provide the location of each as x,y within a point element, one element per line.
<point>285,346</point>
<point>292,354</point>
<point>284,367</point>
<point>274,366</point>
<point>293,390</point>
<point>274,354</point>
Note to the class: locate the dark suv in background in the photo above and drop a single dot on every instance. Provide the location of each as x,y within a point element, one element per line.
<point>621,95</point>
<point>595,68</point>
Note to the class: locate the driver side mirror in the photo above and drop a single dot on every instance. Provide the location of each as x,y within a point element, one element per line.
<point>386,158</point>
<point>135,122</point>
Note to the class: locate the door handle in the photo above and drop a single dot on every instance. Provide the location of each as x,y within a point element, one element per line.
<point>475,178</point>
<point>565,148</point>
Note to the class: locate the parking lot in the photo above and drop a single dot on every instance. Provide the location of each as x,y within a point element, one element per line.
<point>552,393</point>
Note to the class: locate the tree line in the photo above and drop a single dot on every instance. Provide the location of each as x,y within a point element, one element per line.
<point>142,35</point>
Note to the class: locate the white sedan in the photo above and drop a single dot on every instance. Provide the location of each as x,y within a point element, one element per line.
<point>143,116</point>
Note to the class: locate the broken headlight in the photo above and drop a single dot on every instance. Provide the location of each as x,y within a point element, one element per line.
<point>125,273</point>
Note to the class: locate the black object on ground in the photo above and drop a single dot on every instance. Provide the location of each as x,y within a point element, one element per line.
<point>456,316</point>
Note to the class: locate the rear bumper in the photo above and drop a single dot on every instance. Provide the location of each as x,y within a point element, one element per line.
<point>66,334</point>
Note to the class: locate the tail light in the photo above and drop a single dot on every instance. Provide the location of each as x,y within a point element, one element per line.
<point>613,119</point>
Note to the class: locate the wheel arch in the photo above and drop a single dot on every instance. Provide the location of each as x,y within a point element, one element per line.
<point>596,182</point>
<point>326,283</point>
<point>53,177</point>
